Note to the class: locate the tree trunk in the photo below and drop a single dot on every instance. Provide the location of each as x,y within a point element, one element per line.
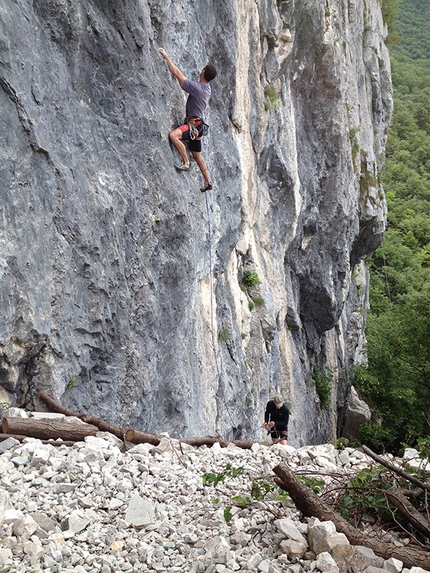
<point>103,426</point>
<point>48,429</point>
<point>395,469</point>
<point>136,437</point>
<point>311,506</point>
<point>409,512</point>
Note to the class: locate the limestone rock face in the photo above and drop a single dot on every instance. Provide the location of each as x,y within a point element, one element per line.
<point>118,274</point>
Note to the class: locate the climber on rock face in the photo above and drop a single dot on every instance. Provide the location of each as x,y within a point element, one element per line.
<point>192,128</point>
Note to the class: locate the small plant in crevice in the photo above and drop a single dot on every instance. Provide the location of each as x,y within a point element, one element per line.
<point>71,383</point>
<point>224,335</point>
<point>250,280</point>
<point>272,99</point>
<point>250,398</point>
<point>355,146</point>
<point>323,383</point>
<point>258,300</point>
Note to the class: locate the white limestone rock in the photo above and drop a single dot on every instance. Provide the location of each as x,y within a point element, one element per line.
<point>289,528</point>
<point>218,550</point>
<point>24,527</point>
<point>393,565</point>
<point>322,536</point>
<point>294,549</point>
<point>140,512</point>
<point>326,563</point>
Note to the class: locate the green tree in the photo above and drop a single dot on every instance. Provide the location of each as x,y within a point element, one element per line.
<point>397,381</point>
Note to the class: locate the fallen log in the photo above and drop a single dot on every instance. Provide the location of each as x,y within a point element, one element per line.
<point>395,469</point>
<point>48,429</point>
<point>136,437</point>
<point>54,406</point>
<point>210,441</point>
<point>312,506</point>
<point>87,418</point>
<point>409,512</point>
<point>20,438</point>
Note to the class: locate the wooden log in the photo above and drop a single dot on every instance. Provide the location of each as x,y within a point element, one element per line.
<point>409,512</point>
<point>136,437</point>
<point>395,469</point>
<point>87,418</point>
<point>54,406</point>
<point>210,441</point>
<point>20,438</point>
<point>48,429</point>
<point>312,506</point>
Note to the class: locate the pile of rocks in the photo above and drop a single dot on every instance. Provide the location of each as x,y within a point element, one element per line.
<point>97,507</point>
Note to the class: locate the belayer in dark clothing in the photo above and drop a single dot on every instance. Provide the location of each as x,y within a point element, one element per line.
<point>192,128</point>
<point>276,419</point>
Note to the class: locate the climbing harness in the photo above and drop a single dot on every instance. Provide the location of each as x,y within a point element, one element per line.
<point>198,128</point>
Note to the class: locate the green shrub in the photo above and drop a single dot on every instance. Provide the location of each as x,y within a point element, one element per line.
<point>323,383</point>
<point>224,335</point>
<point>250,279</point>
<point>273,101</point>
<point>377,438</point>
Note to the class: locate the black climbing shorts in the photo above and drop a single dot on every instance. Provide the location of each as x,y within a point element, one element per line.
<point>279,435</point>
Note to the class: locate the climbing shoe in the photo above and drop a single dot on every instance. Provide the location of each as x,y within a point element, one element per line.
<point>207,187</point>
<point>182,167</point>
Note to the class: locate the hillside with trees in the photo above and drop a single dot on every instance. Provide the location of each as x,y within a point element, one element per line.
<point>397,382</point>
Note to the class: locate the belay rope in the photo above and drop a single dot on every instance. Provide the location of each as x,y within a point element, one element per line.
<point>234,426</point>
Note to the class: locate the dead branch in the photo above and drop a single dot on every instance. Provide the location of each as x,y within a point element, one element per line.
<point>311,506</point>
<point>136,436</point>
<point>395,469</point>
<point>409,512</point>
<point>103,426</point>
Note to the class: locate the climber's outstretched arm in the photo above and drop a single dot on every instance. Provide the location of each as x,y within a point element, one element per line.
<point>175,71</point>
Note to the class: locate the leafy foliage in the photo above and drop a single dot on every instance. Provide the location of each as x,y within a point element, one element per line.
<point>323,383</point>
<point>216,478</point>
<point>272,99</point>
<point>224,335</point>
<point>397,381</point>
<point>250,279</point>
<point>364,498</point>
<point>260,488</point>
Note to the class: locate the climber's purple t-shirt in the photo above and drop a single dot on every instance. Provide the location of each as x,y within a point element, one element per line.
<point>198,98</point>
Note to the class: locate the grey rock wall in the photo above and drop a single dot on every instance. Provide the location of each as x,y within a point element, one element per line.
<point>118,274</point>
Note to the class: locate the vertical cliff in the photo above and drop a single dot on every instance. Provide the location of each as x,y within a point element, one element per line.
<point>118,274</point>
